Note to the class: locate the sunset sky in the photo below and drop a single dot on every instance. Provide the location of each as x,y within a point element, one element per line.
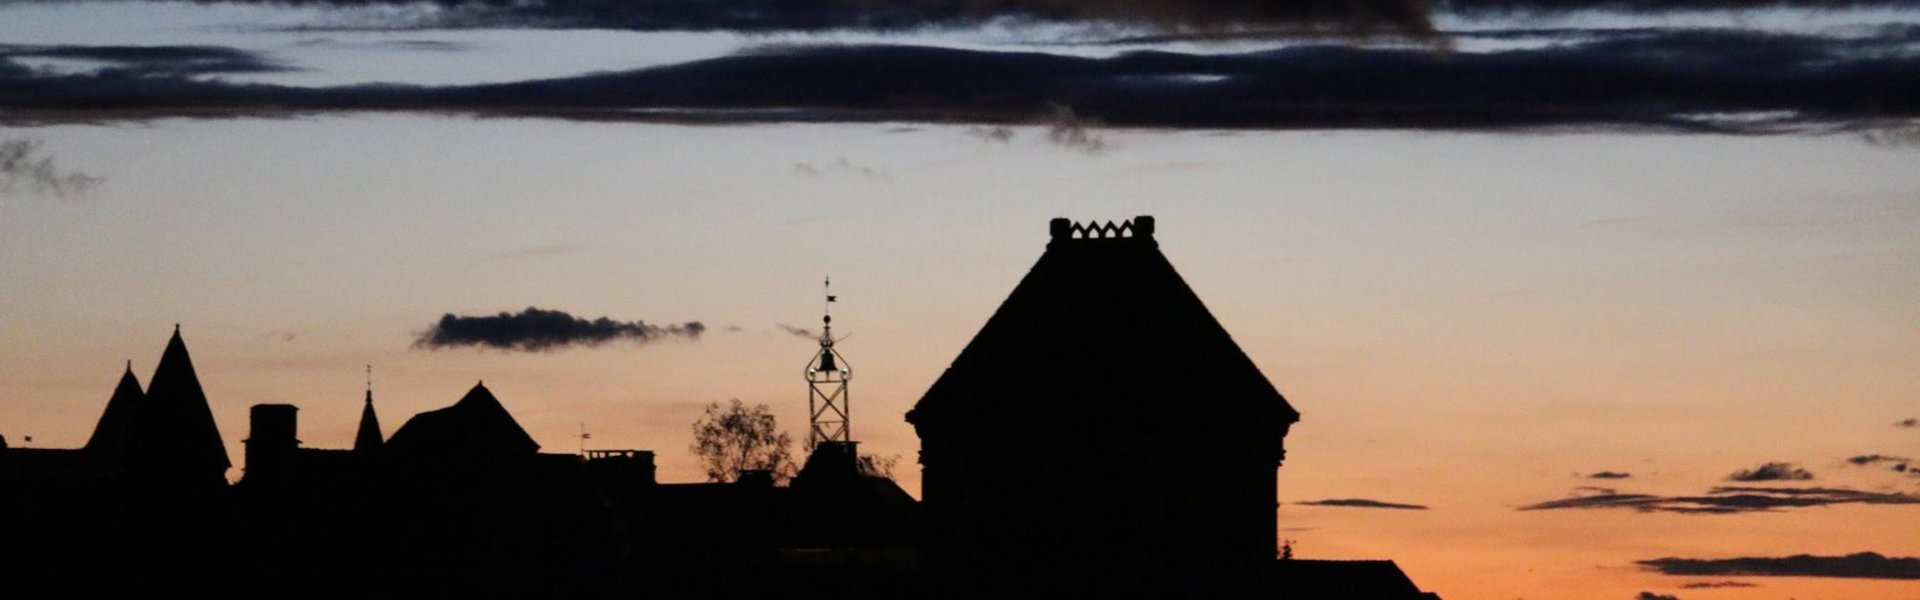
<point>1530,263</point>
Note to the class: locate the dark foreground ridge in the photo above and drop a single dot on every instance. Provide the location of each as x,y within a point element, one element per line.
<point>1102,436</point>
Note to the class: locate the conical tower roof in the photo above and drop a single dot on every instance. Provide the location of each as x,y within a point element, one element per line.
<point>177,436</point>
<point>1102,332</point>
<point>115,430</point>
<point>369,438</point>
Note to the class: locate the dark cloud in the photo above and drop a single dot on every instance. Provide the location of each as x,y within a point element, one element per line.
<point>1874,459</point>
<point>408,45</point>
<point>799,331</point>
<point>1864,565</point>
<point>841,165</point>
<point>1684,80</point>
<point>1068,129</point>
<point>1728,500</point>
<point>1653,596</point>
<point>24,169</point>
<point>1362,503</point>
<point>998,134</point>
<point>1652,6</point>
<point>1898,464</point>
<point>1708,585</point>
<point>1773,471</point>
<point>1397,16</point>
<point>1609,475</point>
<point>537,330</point>
<point>152,61</point>
<point>1909,423</point>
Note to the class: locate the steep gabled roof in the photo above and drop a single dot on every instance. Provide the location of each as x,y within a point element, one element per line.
<point>115,429</point>
<point>1102,325</point>
<point>369,438</point>
<point>176,424</point>
<point>476,426</point>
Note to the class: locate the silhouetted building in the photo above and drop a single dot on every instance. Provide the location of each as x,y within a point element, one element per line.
<point>1102,435</point>
<point>475,429</point>
<point>145,500</point>
<point>164,437</point>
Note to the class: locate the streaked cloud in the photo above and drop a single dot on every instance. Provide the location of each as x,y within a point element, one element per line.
<point>1726,500</point>
<point>1362,503</point>
<point>1375,16</point>
<point>1728,81</point>
<point>1709,585</point>
<point>1862,565</point>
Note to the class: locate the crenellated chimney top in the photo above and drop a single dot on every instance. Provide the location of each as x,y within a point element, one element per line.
<point>1140,227</point>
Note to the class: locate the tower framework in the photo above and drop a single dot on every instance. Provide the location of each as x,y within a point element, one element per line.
<point>827,378</point>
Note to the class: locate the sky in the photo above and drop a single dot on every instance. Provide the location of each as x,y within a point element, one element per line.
<point>1553,287</point>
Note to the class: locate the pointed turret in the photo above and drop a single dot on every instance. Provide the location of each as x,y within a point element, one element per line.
<point>369,438</point>
<point>177,439</point>
<point>115,431</point>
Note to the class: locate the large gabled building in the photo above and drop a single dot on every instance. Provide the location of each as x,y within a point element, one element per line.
<point>1103,434</point>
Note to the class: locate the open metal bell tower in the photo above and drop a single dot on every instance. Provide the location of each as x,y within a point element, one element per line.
<point>827,377</point>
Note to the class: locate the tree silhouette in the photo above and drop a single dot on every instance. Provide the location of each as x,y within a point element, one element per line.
<point>732,438</point>
<point>874,465</point>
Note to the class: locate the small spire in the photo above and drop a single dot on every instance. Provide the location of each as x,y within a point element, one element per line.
<point>129,365</point>
<point>826,308</point>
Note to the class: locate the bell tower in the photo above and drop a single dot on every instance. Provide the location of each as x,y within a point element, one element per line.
<point>827,377</point>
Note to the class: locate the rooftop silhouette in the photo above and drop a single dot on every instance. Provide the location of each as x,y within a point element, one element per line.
<point>1102,435</point>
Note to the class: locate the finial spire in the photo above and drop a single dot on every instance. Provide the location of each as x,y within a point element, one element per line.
<point>826,308</point>
<point>827,377</point>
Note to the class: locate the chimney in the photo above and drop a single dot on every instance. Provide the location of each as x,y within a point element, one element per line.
<point>271,443</point>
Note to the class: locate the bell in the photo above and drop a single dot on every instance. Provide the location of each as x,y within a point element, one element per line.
<point>826,361</point>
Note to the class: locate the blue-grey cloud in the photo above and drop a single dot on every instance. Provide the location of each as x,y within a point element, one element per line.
<point>1682,80</point>
<point>25,169</point>
<point>1362,503</point>
<point>1863,565</point>
<point>538,330</point>
<point>1407,16</point>
<point>152,61</point>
